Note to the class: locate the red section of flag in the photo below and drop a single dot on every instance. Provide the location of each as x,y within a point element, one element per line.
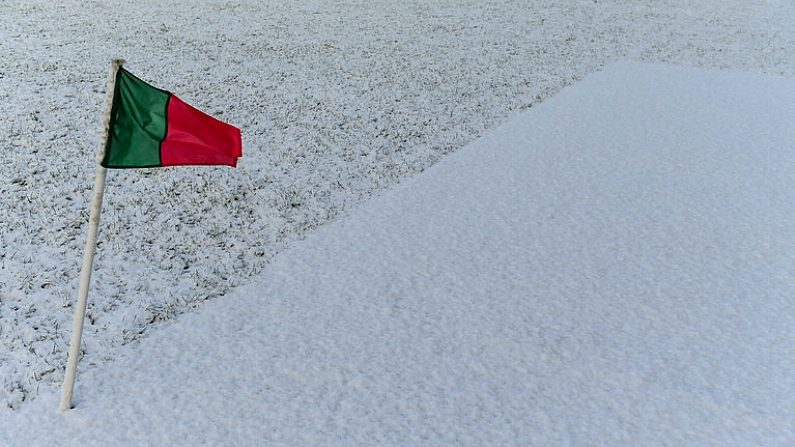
<point>195,138</point>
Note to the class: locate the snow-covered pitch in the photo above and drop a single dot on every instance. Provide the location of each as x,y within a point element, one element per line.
<point>612,267</point>
<point>336,100</point>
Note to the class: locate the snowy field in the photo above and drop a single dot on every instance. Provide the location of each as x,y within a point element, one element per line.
<point>336,100</point>
<point>611,268</point>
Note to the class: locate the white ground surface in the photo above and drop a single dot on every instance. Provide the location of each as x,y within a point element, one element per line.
<point>612,267</point>
<point>337,100</point>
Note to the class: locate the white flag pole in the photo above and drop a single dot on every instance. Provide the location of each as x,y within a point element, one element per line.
<point>88,259</point>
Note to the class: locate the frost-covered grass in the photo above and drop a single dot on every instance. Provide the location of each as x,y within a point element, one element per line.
<point>336,100</point>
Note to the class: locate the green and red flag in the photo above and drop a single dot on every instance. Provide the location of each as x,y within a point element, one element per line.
<point>150,127</point>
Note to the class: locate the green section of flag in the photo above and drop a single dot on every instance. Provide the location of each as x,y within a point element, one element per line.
<point>137,124</point>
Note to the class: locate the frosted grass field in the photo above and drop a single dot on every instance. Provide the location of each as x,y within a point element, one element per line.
<point>336,100</point>
<point>612,267</point>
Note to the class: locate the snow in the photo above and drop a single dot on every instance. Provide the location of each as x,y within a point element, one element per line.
<point>337,101</point>
<point>610,267</point>
<point>341,101</point>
